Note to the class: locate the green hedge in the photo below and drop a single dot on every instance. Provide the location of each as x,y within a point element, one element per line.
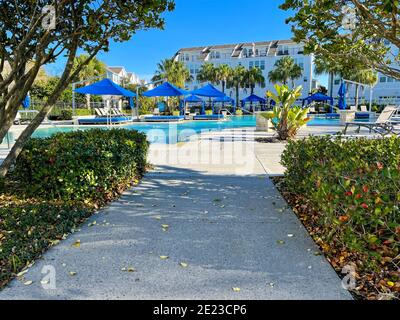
<point>90,166</point>
<point>354,184</point>
<point>65,114</point>
<point>26,231</point>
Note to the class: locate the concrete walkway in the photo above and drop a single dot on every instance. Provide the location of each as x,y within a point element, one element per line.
<point>225,227</point>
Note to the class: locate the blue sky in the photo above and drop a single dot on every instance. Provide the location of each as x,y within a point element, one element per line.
<point>197,23</point>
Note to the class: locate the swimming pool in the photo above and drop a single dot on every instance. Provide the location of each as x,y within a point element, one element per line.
<point>180,132</point>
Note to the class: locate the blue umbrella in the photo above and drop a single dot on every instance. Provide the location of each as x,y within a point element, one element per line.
<point>193,98</point>
<point>26,102</point>
<point>208,91</point>
<point>165,90</point>
<point>107,88</point>
<point>342,96</point>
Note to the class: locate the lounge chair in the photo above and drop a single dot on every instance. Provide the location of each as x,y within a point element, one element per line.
<point>363,109</point>
<point>382,125</point>
<point>210,117</point>
<point>164,119</point>
<point>156,112</point>
<point>99,112</point>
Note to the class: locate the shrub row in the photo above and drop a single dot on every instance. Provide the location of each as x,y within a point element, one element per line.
<point>355,186</point>
<point>27,230</point>
<point>92,166</point>
<point>65,114</point>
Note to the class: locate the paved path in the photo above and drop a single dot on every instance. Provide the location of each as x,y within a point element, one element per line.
<point>230,226</point>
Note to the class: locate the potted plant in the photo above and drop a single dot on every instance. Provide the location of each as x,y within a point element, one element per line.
<point>209,112</point>
<point>289,118</point>
<point>264,121</point>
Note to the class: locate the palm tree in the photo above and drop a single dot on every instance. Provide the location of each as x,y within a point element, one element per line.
<point>223,73</point>
<point>252,77</point>
<point>207,73</point>
<point>323,66</point>
<point>285,70</point>
<point>365,76</point>
<point>237,80</point>
<point>94,69</point>
<point>173,71</point>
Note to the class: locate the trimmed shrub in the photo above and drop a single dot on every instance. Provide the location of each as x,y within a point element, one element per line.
<point>354,186</point>
<point>83,112</point>
<point>27,230</point>
<point>92,166</point>
<point>65,114</point>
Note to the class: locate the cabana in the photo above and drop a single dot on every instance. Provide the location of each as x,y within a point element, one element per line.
<point>209,91</point>
<point>254,99</point>
<point>106,87</point>
<point>194,100</point>
<point>318,97</point>
<point>165,90</point>
<point>224,100</point>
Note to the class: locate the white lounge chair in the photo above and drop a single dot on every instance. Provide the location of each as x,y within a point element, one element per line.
<point>382,125</point>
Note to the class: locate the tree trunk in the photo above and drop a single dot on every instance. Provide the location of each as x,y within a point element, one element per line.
<point>357,93</point>
<point>22,139</point>
<point>331,84</point>
<point>237,96</point>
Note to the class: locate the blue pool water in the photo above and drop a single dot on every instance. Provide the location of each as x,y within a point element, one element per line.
<point>172,133</point>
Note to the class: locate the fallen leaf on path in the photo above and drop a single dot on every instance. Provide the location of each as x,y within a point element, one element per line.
<point>22,273</point>
<point>157,217</point>
<point>280,242</point>
<point>236,289</point>
<point>45,281</point>
<point>164,257</point>
<point>72,273</point>
<point>183,264</point>
<point>28,283</point>
<point>77,244</point>
<point>290,235</point>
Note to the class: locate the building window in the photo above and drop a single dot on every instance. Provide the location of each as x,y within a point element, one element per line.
<point>382,79</point>
<point>337,82</point>
<point>389,79</point>
<point>257,64</point>
<point>245,52</point>
<point>251,64</point>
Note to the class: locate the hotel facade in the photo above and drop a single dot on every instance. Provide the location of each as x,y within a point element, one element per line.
<point>257,54</point>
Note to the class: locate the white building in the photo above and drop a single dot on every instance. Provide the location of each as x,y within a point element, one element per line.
<point>258,54</point>
<point>119,75</point>
<point>386,91</point>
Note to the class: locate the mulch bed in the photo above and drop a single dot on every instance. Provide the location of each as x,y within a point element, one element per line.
<point>370,285</point>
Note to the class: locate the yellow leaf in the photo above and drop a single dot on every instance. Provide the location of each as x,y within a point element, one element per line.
<point>28,283</point>
<point>164,257</point>
<point>183,264</point>
<point>390,283</point>
<point>131,269</point>
<point>157,217</point>
<point>72,273</point>
<point>236,289</point>
<point>165,226</point>
<point>77,244</point>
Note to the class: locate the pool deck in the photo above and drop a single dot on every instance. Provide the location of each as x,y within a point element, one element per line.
<point>226,227</point>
